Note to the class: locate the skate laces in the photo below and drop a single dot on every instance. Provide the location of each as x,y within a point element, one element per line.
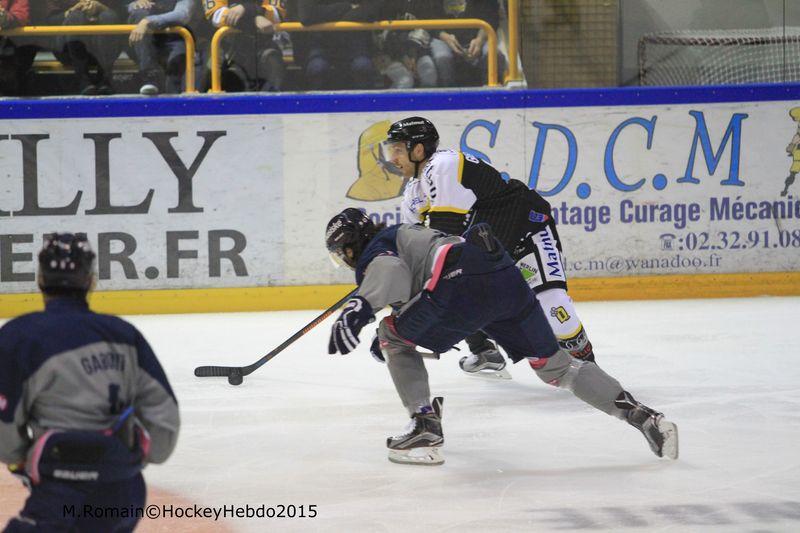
<point>489,354</point>
<point>472,359</point>
<point>409,429</point>
<point>425,410</point>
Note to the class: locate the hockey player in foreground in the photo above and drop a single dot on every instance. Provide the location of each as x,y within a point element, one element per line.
<point>443,288</point>
<point>84,403</point>
<point>453,191</point>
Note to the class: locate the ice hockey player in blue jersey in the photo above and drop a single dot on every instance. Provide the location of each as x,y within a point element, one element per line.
<point>442,288</point>
<point>84,403</point>
<point>451,191</point>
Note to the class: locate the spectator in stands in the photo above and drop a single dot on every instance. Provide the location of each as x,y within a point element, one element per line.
<point>253,54</point>
<point>336,60</point>
<point>83,52</point>
<point>154,50</point>
<point>405,60</point>
<point>13,63</point>
<point>405,57</point>
<point>463,61</point>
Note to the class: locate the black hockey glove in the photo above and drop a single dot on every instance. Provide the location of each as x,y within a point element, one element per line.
<point>375,349</point>
<point>356,314</point>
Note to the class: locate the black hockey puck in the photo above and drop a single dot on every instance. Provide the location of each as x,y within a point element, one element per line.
<point>235,377</point>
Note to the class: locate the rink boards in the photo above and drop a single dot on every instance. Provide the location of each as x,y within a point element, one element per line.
<point>220,203</point>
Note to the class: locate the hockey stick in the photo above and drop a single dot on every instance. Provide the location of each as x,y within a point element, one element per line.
<point>235,374</point>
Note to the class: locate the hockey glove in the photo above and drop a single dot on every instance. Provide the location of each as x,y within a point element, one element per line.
<point>375,349</point>
<point>356,314</point>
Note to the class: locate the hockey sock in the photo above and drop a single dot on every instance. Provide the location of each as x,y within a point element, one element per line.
<point>406,368</point>
<point>586,381</point>
<point>563,319</point>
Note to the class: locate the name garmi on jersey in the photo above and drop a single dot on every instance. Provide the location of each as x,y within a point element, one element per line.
<point>103,361</point>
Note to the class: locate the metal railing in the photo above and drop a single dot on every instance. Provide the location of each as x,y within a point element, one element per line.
<point>513,41</point>
<point>216,77</point>
<point>114,29</point>
<point>491,35</point>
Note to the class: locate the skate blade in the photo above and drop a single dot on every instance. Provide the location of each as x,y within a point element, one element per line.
<point>670,432</point>
<point>490,374</point>
<point>425,456</point>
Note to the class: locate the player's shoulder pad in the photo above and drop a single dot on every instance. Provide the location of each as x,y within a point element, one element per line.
<point>119,324</point>
<point>19,326</point>
<point>383,242</point>
<point>116,320</point>
<point>443,157</point>
<point>442,164</point>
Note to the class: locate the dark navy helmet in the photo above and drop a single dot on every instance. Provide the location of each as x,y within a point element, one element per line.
<point>413,130</point>
<point>350,229</point>
<point>65,264</point>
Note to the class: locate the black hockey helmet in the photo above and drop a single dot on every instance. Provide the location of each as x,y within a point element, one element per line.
<point>349,229</point>
<point>413,130</point>
<point>65,264</point>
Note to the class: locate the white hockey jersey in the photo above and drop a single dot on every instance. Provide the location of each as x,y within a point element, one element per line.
<point>454,190</point>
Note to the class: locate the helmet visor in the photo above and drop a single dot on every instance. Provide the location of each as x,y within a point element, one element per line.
<point>336,259</point>
<point>393,149</point>
<point>339,259</point>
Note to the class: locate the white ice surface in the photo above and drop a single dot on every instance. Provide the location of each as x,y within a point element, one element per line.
<point>309,429</point>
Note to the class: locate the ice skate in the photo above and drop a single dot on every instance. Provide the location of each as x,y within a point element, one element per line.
<point>661,435</point>
<point>420,442</point>
<point>486,363</point>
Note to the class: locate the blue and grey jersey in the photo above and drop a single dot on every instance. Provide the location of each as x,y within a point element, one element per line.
<point>68,368</point>
<point>397,263</point>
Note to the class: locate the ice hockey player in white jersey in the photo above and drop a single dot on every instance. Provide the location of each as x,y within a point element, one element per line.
<point>442,288</point>
<point>452,191</point>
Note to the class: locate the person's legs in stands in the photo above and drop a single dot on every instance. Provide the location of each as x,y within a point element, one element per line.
<point>357,49</point>
<point>106,50</point>
<point>146,53</point>
<point>318,69</point>
<point>23,61</point>
<point>72,50</point>
<point>271,68</point>
<point>445,62</point>
<point>175,49</point>
<point>9,84</point>
<point>399,76</point>
<point>483,65</point>
<point>426,71</point>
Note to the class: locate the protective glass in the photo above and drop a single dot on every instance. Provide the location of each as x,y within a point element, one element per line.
<point>393,149</point>
<point>339,258</point>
